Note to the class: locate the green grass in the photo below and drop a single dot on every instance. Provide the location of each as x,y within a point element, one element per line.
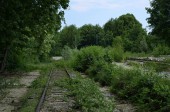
<point>158,67</point>
<point>86,94</point>
<point>130,54</point>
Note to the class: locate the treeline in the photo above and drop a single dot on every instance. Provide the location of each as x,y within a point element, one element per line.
<point>27,30</point>
<point>30,32</point>
<point>125,31</point>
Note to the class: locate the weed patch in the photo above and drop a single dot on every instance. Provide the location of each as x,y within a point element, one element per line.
<point>31,99</point>
<point>87,95</point>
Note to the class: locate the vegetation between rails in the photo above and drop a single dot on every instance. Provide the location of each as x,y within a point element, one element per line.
<point>87,96</point>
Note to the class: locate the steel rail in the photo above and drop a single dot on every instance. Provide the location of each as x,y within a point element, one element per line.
<point>43,93</point>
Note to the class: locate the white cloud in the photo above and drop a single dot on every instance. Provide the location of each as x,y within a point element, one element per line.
<point>87,5</point>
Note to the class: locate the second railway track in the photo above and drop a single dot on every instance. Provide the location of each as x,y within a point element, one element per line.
<point>53,97</point>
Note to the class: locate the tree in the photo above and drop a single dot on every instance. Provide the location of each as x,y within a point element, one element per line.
<point>134,39</point>
<point>91,35</point>
<point>21,20</point>
<point>131,31</point>
<point>107,39</point>
<point>159,19</point>
<point>122,25</point>
<point>70,36</point>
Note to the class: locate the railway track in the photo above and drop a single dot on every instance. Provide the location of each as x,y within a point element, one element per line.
<point>53,98</point>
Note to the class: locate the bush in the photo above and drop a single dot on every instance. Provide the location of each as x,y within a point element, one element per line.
<point>66,52</point>
<point>88,56</point>
<point>161,50</point>
<point>147,89</point>
<point>101,71</point>
<point>116,53</point>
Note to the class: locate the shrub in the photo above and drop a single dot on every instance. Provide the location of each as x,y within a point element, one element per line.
<point>88,56</point>
<point>101,71</point>
<point>66,52</point>
<point>161,50</point>
<point>147,89</point>
<point>116,53</point>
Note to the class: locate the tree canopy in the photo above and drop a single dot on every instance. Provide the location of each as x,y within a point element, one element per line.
<point>91,35</point>
<point>120,26</point>
<point>70,36</point>
<point>25,22</point>
<point>130,30</point>
<point>159,19</point>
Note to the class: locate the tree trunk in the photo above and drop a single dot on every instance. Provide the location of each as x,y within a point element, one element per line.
<point>4,59</point>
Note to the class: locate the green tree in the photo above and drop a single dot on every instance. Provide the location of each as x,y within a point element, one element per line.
<point>159,19</point>
<point>21,20</point>
<point>91,35</point>
<point>131,31</point>
<point>56,46</point>
<point>70,36</point>
<point>135,40</point>
<point>122,25</point>
<point>107,39</point>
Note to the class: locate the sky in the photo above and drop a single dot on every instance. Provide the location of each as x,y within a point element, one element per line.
<point>94,12</point>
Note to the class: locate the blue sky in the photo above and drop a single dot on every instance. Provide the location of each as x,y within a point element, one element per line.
<point>82,12</point>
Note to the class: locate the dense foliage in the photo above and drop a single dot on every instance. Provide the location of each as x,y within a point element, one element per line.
<point>91,35</point>
<point>70,36</point>
<point>159,19</point>
<point>127,27</point>
<point>88,56</point>
<point>147,89</point>
<point>27,29</point>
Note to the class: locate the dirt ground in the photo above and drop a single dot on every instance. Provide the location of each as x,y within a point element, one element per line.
<point>13,96</point>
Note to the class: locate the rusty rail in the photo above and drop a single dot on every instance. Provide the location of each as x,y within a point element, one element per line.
<point>43,93</point>
<point>42,98</point>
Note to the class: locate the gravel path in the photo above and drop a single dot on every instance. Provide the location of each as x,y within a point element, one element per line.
<point>120,106</point>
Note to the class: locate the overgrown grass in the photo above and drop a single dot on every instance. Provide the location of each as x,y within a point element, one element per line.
<point>87,95</point>
<point>158,67</point>
<point>142,54</point>
<point>144,88</point>
<point>31,99</point>
<point>147,89</point>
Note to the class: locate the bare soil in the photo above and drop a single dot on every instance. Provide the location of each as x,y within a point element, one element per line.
<point>13,96</point>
